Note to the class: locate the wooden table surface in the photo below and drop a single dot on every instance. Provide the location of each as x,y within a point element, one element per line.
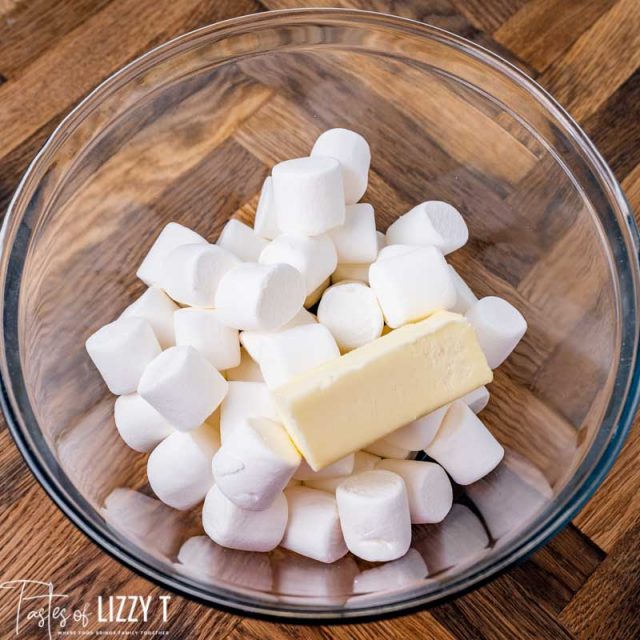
<point>586,582</point>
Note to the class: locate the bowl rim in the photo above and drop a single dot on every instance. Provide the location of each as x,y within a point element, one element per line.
<point>463,583</point>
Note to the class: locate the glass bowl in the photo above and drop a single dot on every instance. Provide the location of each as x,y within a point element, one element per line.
<point>187,133</point>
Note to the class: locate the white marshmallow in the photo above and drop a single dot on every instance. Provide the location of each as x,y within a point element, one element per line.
<point>172,236</point>
<point>499,327</point>
<point>315,258</point>
<point>179,468</point>
<point>260,297</point>
<point>353,153</point>
<point>266,220</point>
<point>464,446</point>
<point>245,400</point>
<point>374,515</point>
<point>339,468</point>
<point>255,463</point>
<point>183,386</point>
<point>241,240</point>
<point>385,449</point>
<point>252,340</point>
<point>191,273</point>
<point>356,240</point>
<point>157,308</point>
<point>139,424</point>
<point>285,354</point>
<point>308,195</point>
<point>433,223</point>
<point>358,272</point>
<point>362,461</point>
<point>393,250</point>
<point>465,298</point>
<point>202,557</point>
<point>203,330</point>
<point>418,434</point>
<point>350,310</point>
<point>236,528</point>
<point>458,540</point>
<point>477,399</point>
<point>428,488</point>
<point>247,371</point>
<point>121,350</point>
<point>413,285</point>
<point>313,529</point>
<point>392,576</point>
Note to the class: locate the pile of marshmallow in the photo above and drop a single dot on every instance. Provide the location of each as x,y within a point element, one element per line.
<point>195,357</point>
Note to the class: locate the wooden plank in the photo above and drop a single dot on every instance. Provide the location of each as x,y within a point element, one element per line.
<point>608,604</point>
<point>487,16</point>
<point>602,58</point>
<point>541,30</point>
<point>35,26</point>
<point>127,28</point>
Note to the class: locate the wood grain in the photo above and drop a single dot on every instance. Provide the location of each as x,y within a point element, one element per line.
<point>585,583</point>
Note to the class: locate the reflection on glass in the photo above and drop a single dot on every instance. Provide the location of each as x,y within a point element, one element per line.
<point>392,575</point>
<point>209,562</point>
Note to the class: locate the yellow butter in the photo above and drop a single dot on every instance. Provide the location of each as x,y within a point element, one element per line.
<point>347,403</point>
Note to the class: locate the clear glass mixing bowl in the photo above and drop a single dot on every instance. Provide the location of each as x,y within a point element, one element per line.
<point>187,133</point>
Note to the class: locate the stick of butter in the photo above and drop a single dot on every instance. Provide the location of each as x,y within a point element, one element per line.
<point>347,403</point>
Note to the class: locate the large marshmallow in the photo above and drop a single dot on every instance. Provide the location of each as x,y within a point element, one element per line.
<point>353,153</point>
<point>465,298</point>
<point>243,529</point>
<point>457,541</point>
<point>313,529</point>
<point>431,223</point>
<point>183,386</point>
<point>201,557</point>
<point>172,236</point>
<point>356,240</point>
<point>247,371</point>
<point>385,449</point>
<point>392,576</point>
<point>412,285</point>
<point>340,468</point>
<point>374,515</point>
<point>255,463</point>
<point>241,240</point>
<point>285,354</point>
<point>266,221</point>
<point>418,434</point>
<point>315,258</point>
<point>121,351</point>
<point>464,446</point>
<point>252,340</point>
<point>260,297</point>
<point>191,273</point>
<point>203,330</point>
<point>350,310</point>
<point>477,399</point>
<point>499,327</point>
<point>139,424</point>
<point>362,461</point>
<point>245,400</point>
<point>179,468</point>
<point>428,488</point>
<point>308,195</point>
<point>157,308</point>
